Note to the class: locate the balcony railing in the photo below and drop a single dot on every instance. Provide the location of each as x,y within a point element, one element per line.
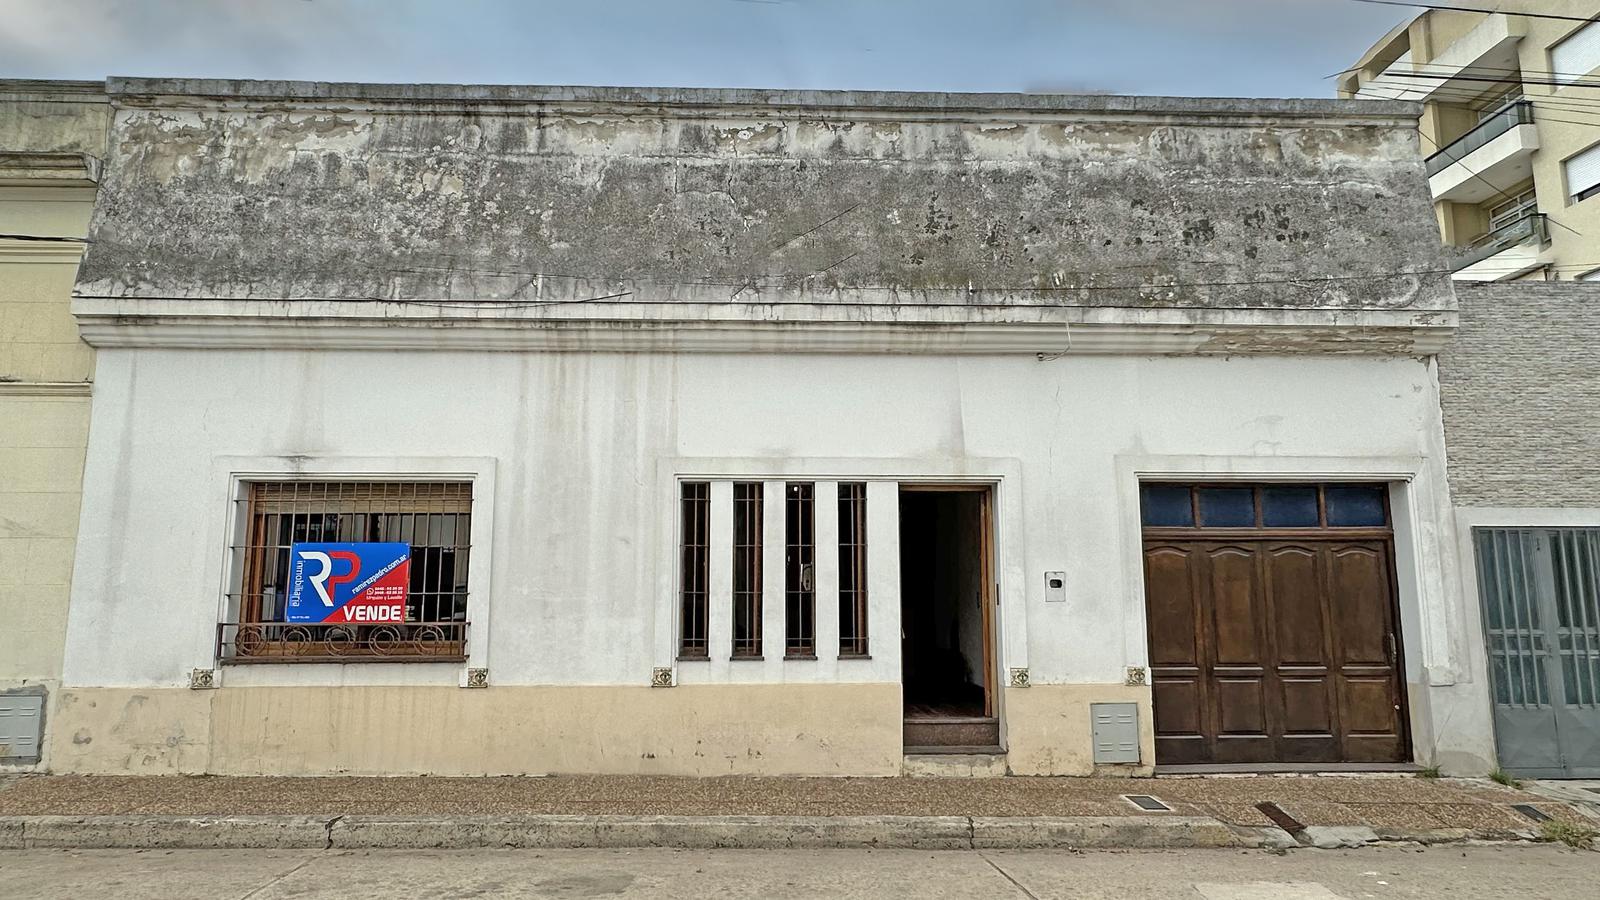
<point>1519,113</point>
<point>1531,228</point>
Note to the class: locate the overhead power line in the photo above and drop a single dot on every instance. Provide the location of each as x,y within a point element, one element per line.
<point>1505,70</point>
<point>1549,82</point>
<point>1480,9</point>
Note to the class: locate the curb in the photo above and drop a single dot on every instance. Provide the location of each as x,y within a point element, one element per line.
<point>163,832</point>
<point>135,832</point>
<point>552,832</point>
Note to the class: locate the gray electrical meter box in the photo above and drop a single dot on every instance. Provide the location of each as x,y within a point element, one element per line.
<point>1116,732</point>
<point>21,720</point>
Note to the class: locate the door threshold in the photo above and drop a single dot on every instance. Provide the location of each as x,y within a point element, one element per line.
<point>956,751</point>
<point>1286,768</point>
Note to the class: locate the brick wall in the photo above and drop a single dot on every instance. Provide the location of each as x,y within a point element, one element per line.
<point>1520,386</point>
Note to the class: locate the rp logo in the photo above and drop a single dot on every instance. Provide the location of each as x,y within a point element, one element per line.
<point>325,582</point>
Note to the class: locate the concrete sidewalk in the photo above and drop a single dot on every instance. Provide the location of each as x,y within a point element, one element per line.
<point>627,811</point>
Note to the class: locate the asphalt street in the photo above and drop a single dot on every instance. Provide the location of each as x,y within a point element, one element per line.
<point>1510,871</point>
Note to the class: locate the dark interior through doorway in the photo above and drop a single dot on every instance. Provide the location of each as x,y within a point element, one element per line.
<point>945,622</point>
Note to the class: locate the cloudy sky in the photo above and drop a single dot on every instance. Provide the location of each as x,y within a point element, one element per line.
<point>1192,47</point>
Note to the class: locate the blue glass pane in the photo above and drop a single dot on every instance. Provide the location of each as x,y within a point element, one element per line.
<point>1351,506</point>
<point>1289,507</point>
<point>1166,505</point>
<point>1227,508</point>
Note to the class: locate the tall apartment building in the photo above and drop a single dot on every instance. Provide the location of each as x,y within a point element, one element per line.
<point>1511,131</point>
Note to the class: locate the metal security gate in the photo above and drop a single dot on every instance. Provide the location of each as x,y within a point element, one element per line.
<point>1540,589</point>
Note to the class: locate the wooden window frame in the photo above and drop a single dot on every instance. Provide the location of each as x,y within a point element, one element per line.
<point>853,631</point>
<point>274,513</point>
<point>694,570</point>
<point>749,552</point>
<point>799,565</point>
<point>1321,530</point>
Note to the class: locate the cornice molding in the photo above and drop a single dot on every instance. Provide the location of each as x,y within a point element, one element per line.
<point>26,168</point>
<point>58,252</point>
<point>698,328</point>
<point>744,102</point>
<point>45,388</point>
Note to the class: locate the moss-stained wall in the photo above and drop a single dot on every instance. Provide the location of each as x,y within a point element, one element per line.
<point>316,191</point>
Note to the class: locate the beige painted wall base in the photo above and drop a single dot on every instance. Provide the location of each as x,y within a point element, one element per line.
<point>791,729</point>
<point>393,730</point>
<point>1049,732</point>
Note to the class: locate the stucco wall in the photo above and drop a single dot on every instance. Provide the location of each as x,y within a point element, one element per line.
<point>583,447</point>
<point>1520,388</point>
<point>51,136</point>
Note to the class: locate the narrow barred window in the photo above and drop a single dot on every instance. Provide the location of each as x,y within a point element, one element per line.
<point>693,577</point>
<point>853,569</point>
<point>799,572</point>
<point>747,550</point>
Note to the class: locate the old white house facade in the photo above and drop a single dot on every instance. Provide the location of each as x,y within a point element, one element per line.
<point>763,432</point>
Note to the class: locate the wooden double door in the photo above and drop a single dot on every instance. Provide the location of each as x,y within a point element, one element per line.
<point>1274,649</point>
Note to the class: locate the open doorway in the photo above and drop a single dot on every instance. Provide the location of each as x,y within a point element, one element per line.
<point>946,617</point>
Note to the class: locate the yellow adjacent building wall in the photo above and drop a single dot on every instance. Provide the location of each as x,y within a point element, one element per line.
<point>51,139</point>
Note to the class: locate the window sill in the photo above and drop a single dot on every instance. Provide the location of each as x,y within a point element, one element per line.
<point>694,659</point>
<point>800,658</point>
<point>854,656</point>
<point>746,658</point>
<point>333,660</point>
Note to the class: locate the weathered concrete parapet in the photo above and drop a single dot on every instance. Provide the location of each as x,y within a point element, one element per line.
<point>662,204</point>
<point>52,119</point>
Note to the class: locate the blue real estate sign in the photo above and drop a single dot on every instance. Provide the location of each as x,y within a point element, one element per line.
<point>346,582</point>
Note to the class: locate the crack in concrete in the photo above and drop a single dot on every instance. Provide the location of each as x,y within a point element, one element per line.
<point>327,831</point>
<point>257,890</point>
<point>1007,876</point>
<point>815,228</point>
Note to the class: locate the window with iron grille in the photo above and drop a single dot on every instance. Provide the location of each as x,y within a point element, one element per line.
<point>853,569</point>
<point>694,568</point>
<point>433,517</point>
<point>800,571</point>
<point>747,550</point>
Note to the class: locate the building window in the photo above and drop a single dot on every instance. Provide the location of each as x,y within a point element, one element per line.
<point>1513,209</point>
<point>1497,104</point>
<point>1576,55</point>
<point>694,568</point>
<point>434,518</point>
<point>1583,174</point>
<point>747,551</point>
<point>852,569</point>
<point>799,572</point>
<point>1263,506</point>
